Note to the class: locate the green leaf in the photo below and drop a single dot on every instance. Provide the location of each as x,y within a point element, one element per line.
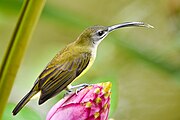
<point>25,114</point>
<point>28,18</point>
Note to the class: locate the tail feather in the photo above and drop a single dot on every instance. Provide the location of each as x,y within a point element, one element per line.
<point>24,101</point>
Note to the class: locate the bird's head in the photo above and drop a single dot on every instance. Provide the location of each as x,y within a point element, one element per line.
<point>92,36</point>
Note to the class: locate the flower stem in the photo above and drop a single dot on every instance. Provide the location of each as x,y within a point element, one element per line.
<point>29,16</point>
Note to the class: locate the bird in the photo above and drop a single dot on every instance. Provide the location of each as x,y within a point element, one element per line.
<point>70,63</point>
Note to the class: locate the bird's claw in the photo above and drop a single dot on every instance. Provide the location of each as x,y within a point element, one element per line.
<point>76,89</point>
<point>81,87</point>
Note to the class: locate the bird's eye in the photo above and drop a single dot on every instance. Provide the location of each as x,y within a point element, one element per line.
<point>100,33</point>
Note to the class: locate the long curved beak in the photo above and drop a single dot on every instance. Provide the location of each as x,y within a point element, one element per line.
<point>129,24</point>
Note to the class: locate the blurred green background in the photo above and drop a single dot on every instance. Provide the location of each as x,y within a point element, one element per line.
<point>143,64</point>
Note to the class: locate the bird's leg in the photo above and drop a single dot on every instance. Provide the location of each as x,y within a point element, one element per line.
<point>71,89</point>
<point>68,90</point>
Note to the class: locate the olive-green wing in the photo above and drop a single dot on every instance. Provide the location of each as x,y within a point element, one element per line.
<point>56,78</point>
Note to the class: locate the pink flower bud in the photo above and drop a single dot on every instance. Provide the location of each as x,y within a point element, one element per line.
<point>91,103</point>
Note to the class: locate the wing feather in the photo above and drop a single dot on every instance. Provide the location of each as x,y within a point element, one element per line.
<point>61,75</point>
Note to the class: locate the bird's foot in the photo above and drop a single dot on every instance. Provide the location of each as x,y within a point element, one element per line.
<point>76,88</point>
<point>80,87</point>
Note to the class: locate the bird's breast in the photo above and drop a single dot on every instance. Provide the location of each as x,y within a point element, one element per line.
<point>92,59</point>
<point>87,68</point>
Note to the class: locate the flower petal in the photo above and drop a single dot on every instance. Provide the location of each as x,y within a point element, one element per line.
<point>91,103</point>
<point>71,112</point>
